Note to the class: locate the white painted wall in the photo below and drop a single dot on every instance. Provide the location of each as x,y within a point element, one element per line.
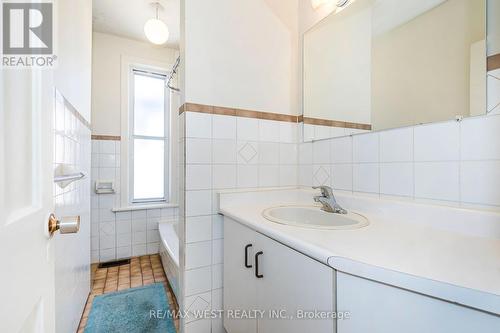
<point>493,27</point>
<point>73,47</point>
<point>107,53</point>
<point>439,71</point>
<point>337,67</point>
<point>247,52</point>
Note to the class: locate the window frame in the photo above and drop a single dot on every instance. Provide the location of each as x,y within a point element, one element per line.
<point>156,73</point>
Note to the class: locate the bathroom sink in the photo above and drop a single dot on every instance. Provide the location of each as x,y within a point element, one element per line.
<point>313,217</point>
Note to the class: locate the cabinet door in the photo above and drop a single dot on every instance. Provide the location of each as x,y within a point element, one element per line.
<point>379,308</point>
<point>292,281</point>
<point>239,281</point>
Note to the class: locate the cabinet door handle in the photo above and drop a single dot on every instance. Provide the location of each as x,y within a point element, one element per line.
<point>246,256</point>
<point>257,274</point>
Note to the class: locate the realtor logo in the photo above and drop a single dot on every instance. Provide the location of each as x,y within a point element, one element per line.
<point>27,32</point>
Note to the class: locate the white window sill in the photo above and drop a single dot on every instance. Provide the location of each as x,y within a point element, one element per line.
<point>144,206</point>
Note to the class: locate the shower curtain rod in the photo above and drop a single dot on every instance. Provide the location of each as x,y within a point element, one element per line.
<point>172,73</point>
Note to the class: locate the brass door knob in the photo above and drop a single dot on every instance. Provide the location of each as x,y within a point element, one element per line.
<point>66,225</point>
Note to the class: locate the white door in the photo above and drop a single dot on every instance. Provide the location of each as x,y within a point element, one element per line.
<point>291,282</point>
<point>239,280</point>
<point>26,251</point>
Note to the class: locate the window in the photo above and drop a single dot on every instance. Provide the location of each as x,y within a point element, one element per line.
<point>149,132</point>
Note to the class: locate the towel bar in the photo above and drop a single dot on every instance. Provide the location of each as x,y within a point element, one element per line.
<point>69,177</point>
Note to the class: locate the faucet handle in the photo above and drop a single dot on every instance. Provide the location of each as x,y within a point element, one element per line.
<point>326,191</point>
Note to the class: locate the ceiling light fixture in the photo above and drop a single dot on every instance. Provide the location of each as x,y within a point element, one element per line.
<point>318,3</point>
<point>156,30</point>
<point>339,3</point>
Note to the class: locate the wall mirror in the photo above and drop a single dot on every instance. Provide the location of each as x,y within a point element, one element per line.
<point>380,64</point>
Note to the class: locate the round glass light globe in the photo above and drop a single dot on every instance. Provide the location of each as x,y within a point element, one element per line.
<point>317,3</point>
<point>156,31</point>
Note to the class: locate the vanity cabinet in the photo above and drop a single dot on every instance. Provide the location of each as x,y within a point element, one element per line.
<point>263,275</point>
<point>381,308</point>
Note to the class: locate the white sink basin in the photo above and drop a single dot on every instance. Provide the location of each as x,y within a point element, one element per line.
<point>313,217</point>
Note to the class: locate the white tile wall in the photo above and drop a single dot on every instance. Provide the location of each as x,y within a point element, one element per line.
<point>319,132</point>
<point>72,147</point>
<point>123,234</point>
<point>225,152</point>
<point>453,163</point>
<point>494,92</point>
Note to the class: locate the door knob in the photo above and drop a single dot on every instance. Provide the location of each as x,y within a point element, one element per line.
<point>66,225</point>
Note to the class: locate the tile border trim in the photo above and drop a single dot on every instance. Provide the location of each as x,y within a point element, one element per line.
<point>75,112</point>
<point>493,62</point>
<point>201,108</point>
<point>219,110</point>
<point>106,137</point>
<point>336,123</point>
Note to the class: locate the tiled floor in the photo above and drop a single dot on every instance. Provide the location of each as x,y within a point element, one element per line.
<point>140,272</point>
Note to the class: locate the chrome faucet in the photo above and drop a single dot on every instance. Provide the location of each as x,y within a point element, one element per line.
<point>327,199</point>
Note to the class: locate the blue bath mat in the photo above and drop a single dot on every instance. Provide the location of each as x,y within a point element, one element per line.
<point>135,310</point>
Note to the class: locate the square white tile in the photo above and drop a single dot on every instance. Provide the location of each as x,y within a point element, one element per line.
<point>198,254</point>
<point>198,125</point>
<point>305,175</point>
<point>198,176</point>
<point>123,252</point>
<point>341,150</point>
<point>288,153</point>
<point>269,175</point>
<point>288,175</point>
<point>341,177</point>
<point>224,176</point>
<point>139,225</point>
<point>153,248</point>
<point>224,127</point>
<point>198,280</point>
<point>224,151</point>
<point>198,203</point>
<point>107,147</point>
<point>480,138</point>
<point>396,145</point>
<point>247,152</point>
<point>153,236</point>
<point>321,152</point>
<point>437,142</point>
<point>288,132</point>
<point>366,178</point>
<point>198,229</point>
<point>365,148</point>
<point>396,179</point>
<point>139,250</point>
<point>305,153</point>
<point>269,131</point>
<point>480,182</point>
<point>247,129</point>
<point>437,180</point>
<point>321,175</point>
<point>248,176</point>
<point>269,153</point>
<point>198,151</point>
<point>308,132</point>
<point>139,237</point>
<point>124,240</point>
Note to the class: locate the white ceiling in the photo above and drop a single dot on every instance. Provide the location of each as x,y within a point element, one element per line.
<point>127,18</point>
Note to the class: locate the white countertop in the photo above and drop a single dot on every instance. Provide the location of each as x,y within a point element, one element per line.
<point>460,267</point>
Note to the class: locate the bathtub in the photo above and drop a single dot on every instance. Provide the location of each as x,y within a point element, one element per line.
<point>169,253</point>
